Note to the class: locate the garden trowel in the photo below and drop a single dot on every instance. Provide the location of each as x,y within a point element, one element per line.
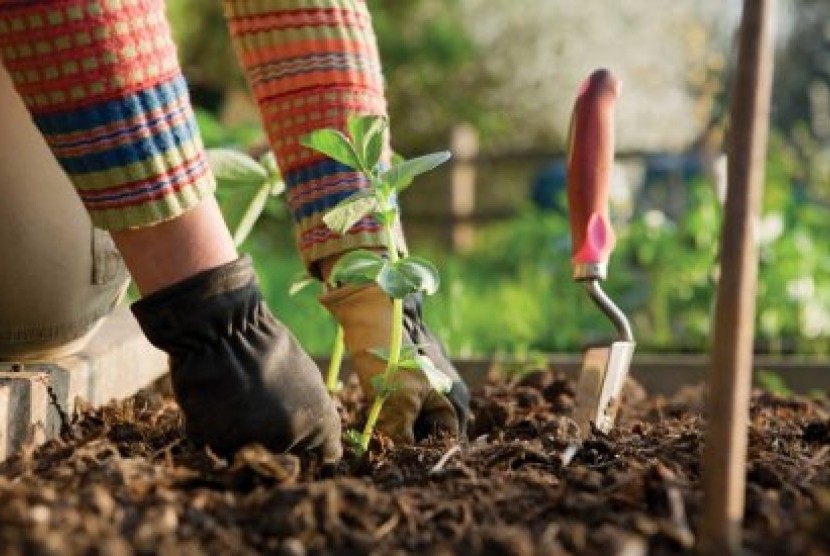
<point>590,159</point>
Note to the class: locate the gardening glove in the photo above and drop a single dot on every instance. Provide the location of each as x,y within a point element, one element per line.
<point>414,409</point>
<point>238,373</point>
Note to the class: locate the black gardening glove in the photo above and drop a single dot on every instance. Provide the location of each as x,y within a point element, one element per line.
<point>238,373</point>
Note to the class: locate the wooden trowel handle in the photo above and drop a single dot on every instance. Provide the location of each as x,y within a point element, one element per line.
<point>590,158</point>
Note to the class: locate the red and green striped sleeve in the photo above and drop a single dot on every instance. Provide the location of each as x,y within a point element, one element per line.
<point>310,64</point>
<point>104,87</point>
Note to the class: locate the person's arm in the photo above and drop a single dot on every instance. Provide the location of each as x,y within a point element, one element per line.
<point>312,64</point>
<point>104,87</point>
<point>103,84</point>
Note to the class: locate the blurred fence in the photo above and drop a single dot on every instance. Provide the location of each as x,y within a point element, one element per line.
<point>480,187</point>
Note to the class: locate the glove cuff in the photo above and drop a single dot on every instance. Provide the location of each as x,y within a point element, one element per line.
<point>202,305</point>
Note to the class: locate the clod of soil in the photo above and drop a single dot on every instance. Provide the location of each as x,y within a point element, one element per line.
<point>126,481</point>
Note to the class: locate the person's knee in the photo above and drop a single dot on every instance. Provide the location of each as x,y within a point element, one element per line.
<point>55,290</point>
<point>58,277</point>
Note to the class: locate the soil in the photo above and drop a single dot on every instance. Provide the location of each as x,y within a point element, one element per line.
<point>125,481</point>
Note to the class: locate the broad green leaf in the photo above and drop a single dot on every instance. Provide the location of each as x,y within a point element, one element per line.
<point>212,132</point>
<point>409,365</point>
<point>368,134</point>
<point>401,175</point>
<point>235,202</point>
<point>407,355</point>
<point>394,282</point>
<point>276,186</point>
<point>236,169</point>
<point>251,215</point>
<point>349,212</point>
<point>420,272</point>
<point>387,216</point>
<point>269,162</point>
<point>380,353</point>
<point>358,267</point>
<point>300,283</point>
<point>374,143</point>
<point>354,438</point>
<point>333,144</point>
<point>359,127</point>
<point>437,379</point>
<point>397,159</point>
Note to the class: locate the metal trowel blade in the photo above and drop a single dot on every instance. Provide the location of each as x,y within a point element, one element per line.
<point>601,380</point>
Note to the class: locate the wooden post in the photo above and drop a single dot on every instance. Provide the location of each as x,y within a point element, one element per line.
<point>464,147</point>
<point>724,460</point>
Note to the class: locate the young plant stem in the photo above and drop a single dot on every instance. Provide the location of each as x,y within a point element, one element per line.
<point>336,360</point>
<point>395,343</point>
<point>371,420</point>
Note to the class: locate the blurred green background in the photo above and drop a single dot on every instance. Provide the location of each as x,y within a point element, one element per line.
<point>509,70</point>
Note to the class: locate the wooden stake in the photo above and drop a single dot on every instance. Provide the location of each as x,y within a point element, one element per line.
<point>724,461</point>
<point>464,147</point>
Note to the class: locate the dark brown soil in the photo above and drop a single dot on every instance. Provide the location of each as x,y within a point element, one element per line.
<point>127,482</point>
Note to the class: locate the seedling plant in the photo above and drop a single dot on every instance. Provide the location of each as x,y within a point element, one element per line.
<point>361,149</point>
<point>244,186</point>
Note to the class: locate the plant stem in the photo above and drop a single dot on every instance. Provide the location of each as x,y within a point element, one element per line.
<point>374,413</point>
<point>391,247</point>
<point>395,342</point>
<point>336,360</point>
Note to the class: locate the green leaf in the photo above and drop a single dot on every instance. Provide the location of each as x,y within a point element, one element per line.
<point>374,143</point>
<point>394,282</point>
<point>386,217</point>
<point>276,186</point>
<point>251,215</point>
<point>397,159</point>
<point>409,365</point>
<point>368,134</point>
<point>354,438</point>
<point>420,272</point>
<point>359,126</point>
<point>333,144</point>
<point>299,283</point>
<point>236,169</point>
<point>349,212</point>
<point>213,133</point>
<point>401,175</point>
<point>358,267</point>
<point>407,355</point>
<point>437,379</point>
<point>380,353</point>
<point>269,162</point>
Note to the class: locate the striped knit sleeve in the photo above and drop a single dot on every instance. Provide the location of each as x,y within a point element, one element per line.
<point>310,64</point>
<point>104,87</point>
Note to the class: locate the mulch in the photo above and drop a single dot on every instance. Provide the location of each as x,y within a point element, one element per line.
<point>126,481</point>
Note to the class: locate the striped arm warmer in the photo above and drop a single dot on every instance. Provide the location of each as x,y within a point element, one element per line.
<point>310,64</point>
<point>103,84</point>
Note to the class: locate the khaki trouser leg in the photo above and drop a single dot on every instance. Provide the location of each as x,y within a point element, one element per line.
<point>58,277</point>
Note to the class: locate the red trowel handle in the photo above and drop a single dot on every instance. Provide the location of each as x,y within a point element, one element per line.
<point>590,158</point>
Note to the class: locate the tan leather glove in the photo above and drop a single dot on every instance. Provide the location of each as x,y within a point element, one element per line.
<point>415,409</point>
